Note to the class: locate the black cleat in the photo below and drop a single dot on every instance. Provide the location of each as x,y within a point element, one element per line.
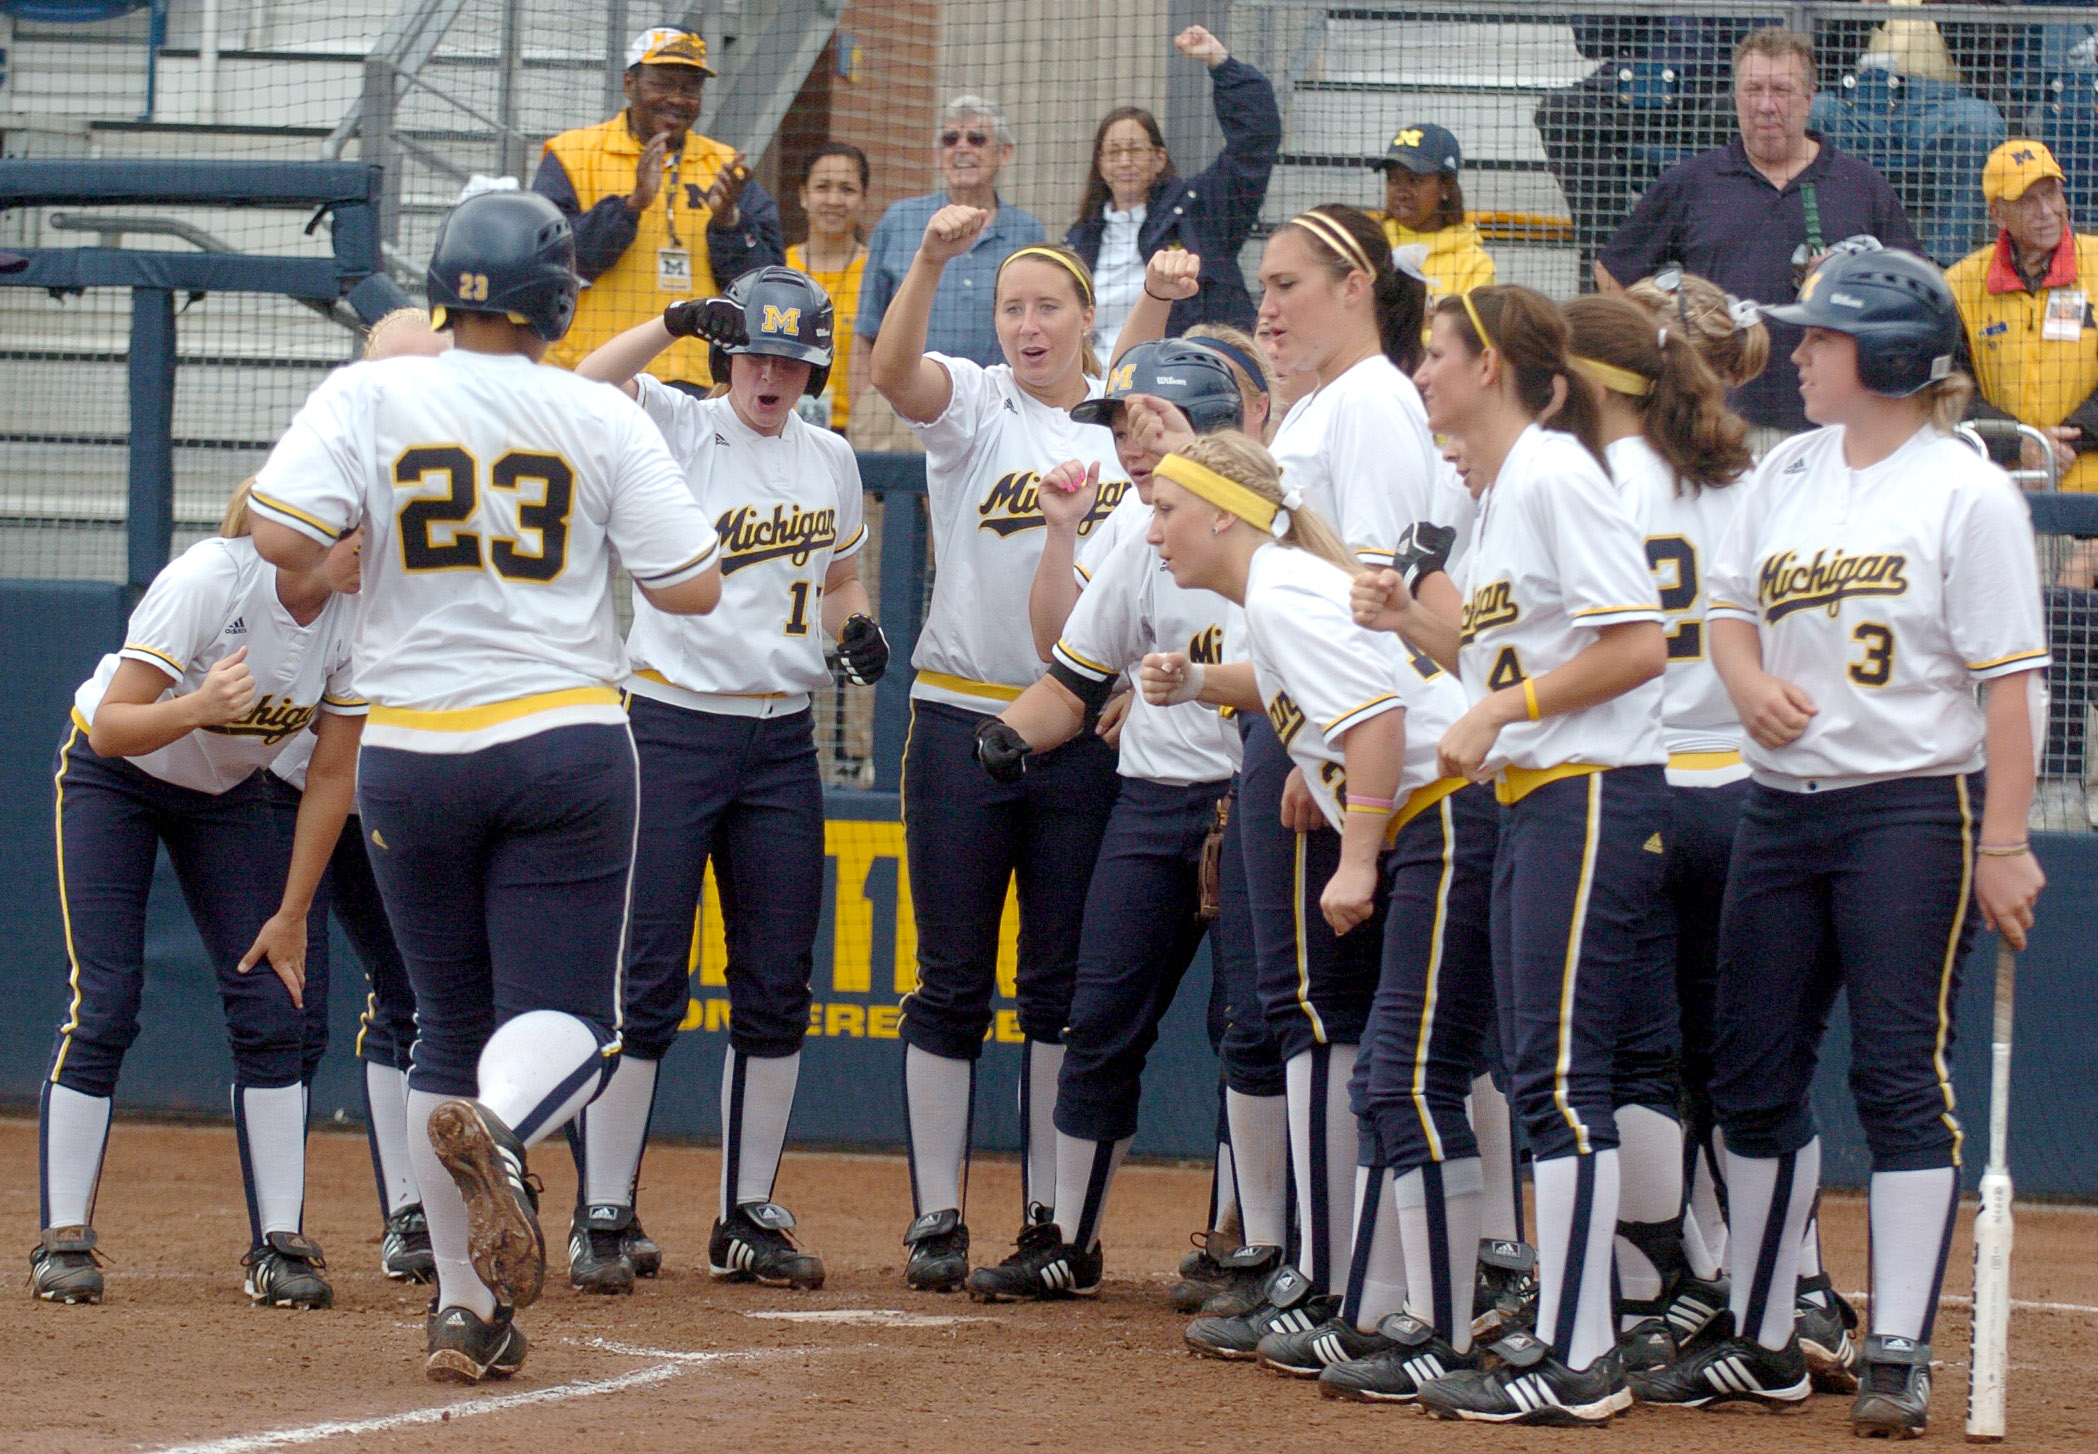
<point>285,1272</point>
<point>1826,1335</point>
<point>1531,1387</point>
<point>1729,1370</point>
<point>1682,1323</point>
<point>1202,1271</point>
<point>1505,1296</point>
<point>463,1349</point>
<point>1893,1399</point>
<point>642,1251</point>
<point>751,1245</point>
<point>597,1257</point>
<point>1287,1305</point>
<point>487,1161</point>
<point>1411,1356</point>
<point>1043,1266</point>
<point>1309,1353</point>
<point>404,1250</point>
<point>63,1266</point>
<point>1244,1284</point>
<point>939,1247</point>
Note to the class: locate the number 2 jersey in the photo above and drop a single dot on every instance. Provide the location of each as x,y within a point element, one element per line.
<point>492,491</point>
<point>1884,594</point>
<point>785,507</point>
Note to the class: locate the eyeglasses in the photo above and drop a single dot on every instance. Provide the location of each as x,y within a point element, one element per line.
<point>1135,151</point>
<point>956,138</point>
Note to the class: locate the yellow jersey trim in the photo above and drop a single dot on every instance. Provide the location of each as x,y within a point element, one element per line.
<point>1703,761</point>
<point>81,722</point>
<point>2039,655</point>
<point>1356,711</point>
<point>159,656</point>
<point>283,509</point>
<point>1516,783</point>
<point>1418,802</point>
<point>472,719</point>
<point>1616,610</point>
<point>1086,662</point>
<point>971,687</point>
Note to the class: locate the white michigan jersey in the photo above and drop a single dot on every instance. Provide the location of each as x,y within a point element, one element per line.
<point>1132,607</point>
<point>492,491</point>
<point>1359,450</point>
<point>1884,594</point>
<point>1320,674</point>
<point>984,458</point>
<point>1555,555</point>
<point>213,599</point>
<point>1683,528</point>
<point>785,507</point>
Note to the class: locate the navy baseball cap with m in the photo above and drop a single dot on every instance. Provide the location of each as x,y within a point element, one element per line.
<point>1423,149</point>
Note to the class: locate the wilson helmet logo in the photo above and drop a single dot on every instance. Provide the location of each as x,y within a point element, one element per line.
<point>780,320</point>
<point>1786,584</point>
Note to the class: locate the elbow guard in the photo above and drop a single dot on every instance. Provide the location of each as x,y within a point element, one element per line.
<point>1091,694</point>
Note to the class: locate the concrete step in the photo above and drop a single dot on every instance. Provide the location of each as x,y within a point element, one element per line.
<point>1509,54</point>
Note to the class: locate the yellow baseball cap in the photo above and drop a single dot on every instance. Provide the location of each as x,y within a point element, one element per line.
<point>2015,166</point>
<point>666,45</point>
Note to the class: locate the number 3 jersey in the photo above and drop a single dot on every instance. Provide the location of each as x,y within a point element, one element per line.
<point>1884,594</point>
<point>785,507</point>
<point>492,491</point>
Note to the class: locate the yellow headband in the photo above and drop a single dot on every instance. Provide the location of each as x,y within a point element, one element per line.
<point>1485,338</point>
<point>1326,230</point>
<point>1220,490</point>
<point>1615,379</point>
<point>1050,254</point>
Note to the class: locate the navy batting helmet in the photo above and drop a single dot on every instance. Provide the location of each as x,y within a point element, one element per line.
<point>510,253</point>
<point>1897,307</point>
<point>1194,379</point>
<point>787,314</point>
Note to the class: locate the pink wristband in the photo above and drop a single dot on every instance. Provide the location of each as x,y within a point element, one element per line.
<point>1359,804</point>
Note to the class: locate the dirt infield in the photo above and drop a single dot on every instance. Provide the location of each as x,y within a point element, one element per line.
<point>177,1359</point>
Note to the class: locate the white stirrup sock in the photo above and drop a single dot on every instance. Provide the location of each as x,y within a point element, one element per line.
<point>1705,1209</point>
<point>76,1131</point>
<point>538,1070</point>
<point>1772,1200</point>
<point>1260,1165</point>
<point>1085,1173</point>
<point>386,1123</point>
<point>1573,1280</point>
<point>1040,1066</point>
<point>1502,1203</point>
<point>757,1099</point>
<point>445,1210</point>
<point>1223,1191</point>
<point>615,1130</point>
<point>1650,1168</point>
<point>937,1092</point>
<point>1377,1281</point>
<point>1323,1142</point>
<point>1912,1218</point>
<point>271,1126</point>
<point>1439,1206</point>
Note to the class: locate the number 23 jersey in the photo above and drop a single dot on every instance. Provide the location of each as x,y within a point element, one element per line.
<point>1884,594</point>
<point>491,490</point>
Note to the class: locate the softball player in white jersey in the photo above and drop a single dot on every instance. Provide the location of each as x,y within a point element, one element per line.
<point>497,781</point>
<point>1676,454</point>
<point>225,661</point>
<point>989,435</point>
<point>720,706</point>
<point>1878,572</point>
<point>1561,648</point>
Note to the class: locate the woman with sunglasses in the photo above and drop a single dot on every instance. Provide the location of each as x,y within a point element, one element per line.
<point>990,434</point>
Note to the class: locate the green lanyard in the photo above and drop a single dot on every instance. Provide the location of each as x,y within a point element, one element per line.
<point>1812,206</point>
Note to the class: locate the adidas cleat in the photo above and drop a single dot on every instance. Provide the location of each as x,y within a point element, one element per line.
<point>1307,1354</point>
<point>1411,1357</point>
<point>1531,1387</point>
<point>1505,1296</point>
<point>1731,1370</point>
<point>751,1245</point>
<point>1245,1280</point>
<point>597,1257</point>
<point>641,1250</point>
<point>1202,1271</point>
<point>1042,1266</point>
<point>1288,1305</point>
<point>1826,1335</point>
<point>939,1252</point>
<point>1893,1399</point>
<point>463,1349</point>
<point>487,1161</point>
<point>64,1268</point>
<point>1683,1322</point>
<point>285,1272</point>
<point>404,1250</point>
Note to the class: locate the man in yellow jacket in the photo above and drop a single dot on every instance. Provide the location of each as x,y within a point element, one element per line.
<point>2026,304</point>
<point>659,214</point>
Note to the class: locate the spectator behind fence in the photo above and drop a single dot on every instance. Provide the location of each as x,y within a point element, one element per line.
<point>1424,207</point>
<point>1658,95</point>
<point>1136,204</point>
<point>1751,214</point>
<point>834,183</point>
<point>659,214</point>
<point>1903,108</point>
<point>2026,306</point>
<point>974,144</point>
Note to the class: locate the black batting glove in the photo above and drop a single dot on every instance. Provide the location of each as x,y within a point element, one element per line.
<point>717,320</point>
<point>863,651</point>
<point>1002,750</point>
<point>1424,548</point>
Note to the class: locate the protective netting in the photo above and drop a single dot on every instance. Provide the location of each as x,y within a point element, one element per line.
<point>1564,115</point>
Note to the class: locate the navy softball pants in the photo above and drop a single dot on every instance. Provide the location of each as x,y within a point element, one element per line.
<point>1433,1013</point>
<point>1238,1027</point>
<point>967,837</point>
<point>1315,988</point>
<point>1868,890</point>
<point>230,858</point>
<point>1142,927</point>
<point>1575,885</point>
<point>505,874</point>
<point>746,791</point>
<point>1700,842</point>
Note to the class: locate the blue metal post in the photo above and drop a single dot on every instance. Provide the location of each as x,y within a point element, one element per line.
<point>150,520</point>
